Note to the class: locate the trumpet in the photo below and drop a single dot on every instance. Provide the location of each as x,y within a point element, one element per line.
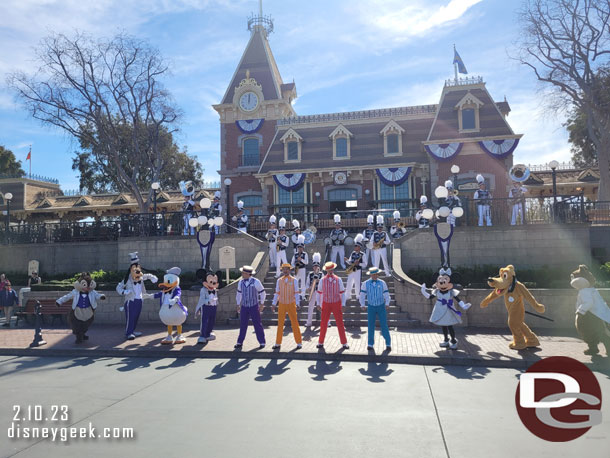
<point>400,225</point>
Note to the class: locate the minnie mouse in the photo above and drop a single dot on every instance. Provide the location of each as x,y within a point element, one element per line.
<point>207,305</point>
<point>445,314</point>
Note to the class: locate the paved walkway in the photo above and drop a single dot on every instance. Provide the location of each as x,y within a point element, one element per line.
<point>478,347</point>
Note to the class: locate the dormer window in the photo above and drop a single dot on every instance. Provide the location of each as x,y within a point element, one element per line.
<point>392,139</point>
<point>293,143</point>
<point>468,113</point>
<point>341,138</point>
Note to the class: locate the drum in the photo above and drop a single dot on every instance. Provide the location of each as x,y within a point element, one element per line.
<point>328,241</point>
<point>349,240</point>
<point>310,237</point>
<point>313,229</point>
<point>342,236</point>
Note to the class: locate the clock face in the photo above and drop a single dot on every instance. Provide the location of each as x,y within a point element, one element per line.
<point>340,178</point>
<point>248,101</point>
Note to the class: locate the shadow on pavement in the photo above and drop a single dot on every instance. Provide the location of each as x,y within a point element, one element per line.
<point>230,367</point>
<point>321,369</point>
<point>464,372</point>
<point>272,369</point>
<point>375,372</point>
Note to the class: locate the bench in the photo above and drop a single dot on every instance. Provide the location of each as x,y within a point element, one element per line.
<point>47,307</point>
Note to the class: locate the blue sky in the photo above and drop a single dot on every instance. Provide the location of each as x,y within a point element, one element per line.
<point>343,55</point>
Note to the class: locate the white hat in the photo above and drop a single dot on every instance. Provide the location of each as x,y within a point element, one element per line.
<point>317,258</point>
<point>240,204</point>
<point>480,179</point>
<point>282,223</point>
<point>423,200</point>
<point>296,224</point>
<point>449,184</point>
<point>370,219</point>
<point>301,240</point>
<point>272,219</point>
<point>217,195</point>
<point>337,218</point>
<point>358,240</point>
<point>174,271</point>
<point>379,220</point>
<point>133,258</point>
<point>248,269</point>
<point>396,215</point>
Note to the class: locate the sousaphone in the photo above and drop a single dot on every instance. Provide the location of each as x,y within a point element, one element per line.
<point>519,173</point>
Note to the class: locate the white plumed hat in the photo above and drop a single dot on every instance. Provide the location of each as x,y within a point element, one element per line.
<point>317,258</point>
<point>217,195</point>
<point>337,218</point>
<point>358,240</point>
<point>449,184</point>
<point>272,219</point>
<point>370,219</point>
<point>240,204</point>
<point>301,240</point>
<point>282,223</point>
<point>423,200</point>
<point>396,215</point>
<point>480,179</point>
<point>296,224</point>
<point>379,220</point>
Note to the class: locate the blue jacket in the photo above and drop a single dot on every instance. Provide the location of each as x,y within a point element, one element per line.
<point>8,298</point>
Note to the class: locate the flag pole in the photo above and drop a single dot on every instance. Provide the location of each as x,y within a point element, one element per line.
<point>455,65</point>
<point>30,162</point>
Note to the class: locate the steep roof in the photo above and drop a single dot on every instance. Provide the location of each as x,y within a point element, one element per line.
<point>259,60</point>
<point>445,127</point>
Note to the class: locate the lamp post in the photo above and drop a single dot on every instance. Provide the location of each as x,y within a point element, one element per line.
<point>455,169</point>
<point>155,187</point>
<point>227,183</point>
<point>553,165</point>
<point>8,197</point>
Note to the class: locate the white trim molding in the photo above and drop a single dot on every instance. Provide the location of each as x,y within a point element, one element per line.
<point>341,132</point>
<point>292,135</point>
<point>392,128</point>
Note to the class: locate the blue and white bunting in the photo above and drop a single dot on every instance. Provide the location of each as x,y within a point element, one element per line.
<point>249,126</point>
<point>290,181</point>
<point>444,151</point>
<point>394,176</point>
<point>499,148</point>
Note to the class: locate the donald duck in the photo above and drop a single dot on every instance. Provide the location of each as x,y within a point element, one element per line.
<point>172,312</point>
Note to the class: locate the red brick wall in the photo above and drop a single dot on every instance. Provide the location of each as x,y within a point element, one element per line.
<point>233,149</point>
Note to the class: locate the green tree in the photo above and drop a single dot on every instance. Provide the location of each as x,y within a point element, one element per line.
<point>9,165</point>
<point>176,164</point>
<point>583,149</point>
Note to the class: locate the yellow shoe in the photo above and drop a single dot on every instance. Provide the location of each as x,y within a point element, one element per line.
<point>515,346</point>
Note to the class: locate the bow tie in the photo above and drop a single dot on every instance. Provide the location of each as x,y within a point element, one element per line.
<point>137,282</point>
<point>211,292</point>
<point>448,302</point>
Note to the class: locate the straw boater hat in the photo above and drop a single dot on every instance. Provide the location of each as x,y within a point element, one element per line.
<point>330,266</point>
<point>374,270</point>
<point>248,269</point>
<point>286,264</point>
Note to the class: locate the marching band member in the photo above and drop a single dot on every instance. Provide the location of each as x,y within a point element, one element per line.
<point>396,231</point>
<point>250,303</point>
<point>282,245</point>
<point>337,236</point>
<point>295,235</point>
<point>300,260</point>
<point>419,216</point>
<point>482,198</point>
<point>271,236</point>
<point>313,279</point>
<point>516,195</point>
<point>241,219</point>
<point>356,263</point>
<point>380,242</point>
<point>287,295</point>
<point>215,210</point>
<point>332,295</point>
<point>375,297</point>
<point>368,236</point>
<point>451,201</point>
<point>188,206</point>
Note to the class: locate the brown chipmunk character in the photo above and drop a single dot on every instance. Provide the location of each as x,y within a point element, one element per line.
<point>514,293</point>
<point>84,301</point>
<point>592,312</point>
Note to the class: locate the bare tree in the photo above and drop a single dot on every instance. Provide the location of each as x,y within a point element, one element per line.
<point>94,89</point>
<point>567,44</point>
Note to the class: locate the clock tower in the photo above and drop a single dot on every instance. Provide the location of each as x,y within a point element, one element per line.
<point>253,102</point>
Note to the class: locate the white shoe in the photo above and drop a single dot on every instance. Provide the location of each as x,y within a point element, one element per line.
<point>137,333</point>
<point>299,346</point>
<point>179,339</point>
<point>131,337</point>
<point>201,340</point>
<point>369,347</point>
<point>346,346</point>
<point>444,344</point>
<point>168,340</point>
<point>275,347</point>
<point>453,346</point>
<point>212,336</point>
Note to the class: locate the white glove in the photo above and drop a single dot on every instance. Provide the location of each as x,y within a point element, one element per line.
<point>121,309</point>
<point>148,296</point>
<point>173,301</point>
<point>153,278</point>
<point>424,291</point>
<point>465,305</point>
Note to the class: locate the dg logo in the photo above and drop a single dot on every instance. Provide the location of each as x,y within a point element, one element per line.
<point>559,399</point>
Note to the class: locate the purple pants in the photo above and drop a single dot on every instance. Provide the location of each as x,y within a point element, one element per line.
<point>132,313</point>
<point>251,313</point>
<point>208,319</point>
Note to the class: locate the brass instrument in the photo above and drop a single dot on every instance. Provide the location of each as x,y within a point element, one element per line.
<point>313,288</point>
<point>378,245</point>
<point>351,268</point>
<point>401,225</point>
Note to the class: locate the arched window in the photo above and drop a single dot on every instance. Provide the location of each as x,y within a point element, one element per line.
<point>251,154</point>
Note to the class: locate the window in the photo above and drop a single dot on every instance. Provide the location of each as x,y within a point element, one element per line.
<point>468,120</point>
<point>395,196</point>
<point>293,151</point>
<point>342,194</point>
<point>341,147</point>
<point>392,144</point>
<point>292,200</point>
<point>251,156</point>
<point>253,205</point>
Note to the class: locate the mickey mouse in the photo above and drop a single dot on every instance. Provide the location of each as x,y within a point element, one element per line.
<point>207,305</point>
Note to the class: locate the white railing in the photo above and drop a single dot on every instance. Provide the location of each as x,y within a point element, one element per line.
<point>357,115</point>
<point>547,168</point>
<point>464,81</point>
